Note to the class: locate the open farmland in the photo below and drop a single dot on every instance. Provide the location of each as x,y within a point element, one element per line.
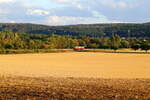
<point>97,65</point>
<point>75,76</point>
<point>50,88</point>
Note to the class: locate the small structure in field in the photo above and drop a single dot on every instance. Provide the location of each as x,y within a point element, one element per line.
<point>79,48</point>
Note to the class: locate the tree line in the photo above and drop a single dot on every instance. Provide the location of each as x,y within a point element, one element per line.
<point>11,40</point>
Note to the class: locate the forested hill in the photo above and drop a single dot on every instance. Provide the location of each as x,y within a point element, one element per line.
<point>93,30</point>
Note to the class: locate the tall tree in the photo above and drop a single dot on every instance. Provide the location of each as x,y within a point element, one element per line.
<point>115,41</point>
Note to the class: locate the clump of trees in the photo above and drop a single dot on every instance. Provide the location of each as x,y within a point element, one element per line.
<point>11,40</point>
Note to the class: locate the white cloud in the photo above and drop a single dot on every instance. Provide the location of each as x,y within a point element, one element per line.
<point>37,12</point>
<point>79,6</point>
<point>12,21</point>
<point>122,4</point>
<point>6,1</point>
<point>81,11</point>
<point>108,3</point>
<point>115,4</point>
<point>3,11</point>
<point>63,1</point>
<point>66,20</point>
<point>98,15</point>
<point>74,3</point>
<point>115,21</point>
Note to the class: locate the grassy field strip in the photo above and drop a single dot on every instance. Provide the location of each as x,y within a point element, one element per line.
<point>130,51</point>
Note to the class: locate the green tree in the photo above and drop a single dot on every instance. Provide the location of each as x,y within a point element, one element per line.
<point>82,43</point>
<point>8,46</point>
<point>115,41</point>
<point>135,46</point>
<point>73,43</point>
<point>145,46</point>
<point>93,45</point>
<point>125,43</point>
<point>104,43</point>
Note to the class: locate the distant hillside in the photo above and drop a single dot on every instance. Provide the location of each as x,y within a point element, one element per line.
<point>148,23</point>
<point>94,30</point>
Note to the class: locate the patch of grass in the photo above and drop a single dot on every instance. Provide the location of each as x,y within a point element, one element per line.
<point>23,51</point>
<point>118,51</point>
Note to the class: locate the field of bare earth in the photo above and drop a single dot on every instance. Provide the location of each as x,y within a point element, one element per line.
<point>50,88</point>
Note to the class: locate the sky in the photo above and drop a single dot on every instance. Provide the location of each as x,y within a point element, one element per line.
<point>69,12</point>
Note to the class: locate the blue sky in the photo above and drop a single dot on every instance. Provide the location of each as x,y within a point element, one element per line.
<point>66,12</point>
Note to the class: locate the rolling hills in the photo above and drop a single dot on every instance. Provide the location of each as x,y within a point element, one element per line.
<point>92,30</point>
